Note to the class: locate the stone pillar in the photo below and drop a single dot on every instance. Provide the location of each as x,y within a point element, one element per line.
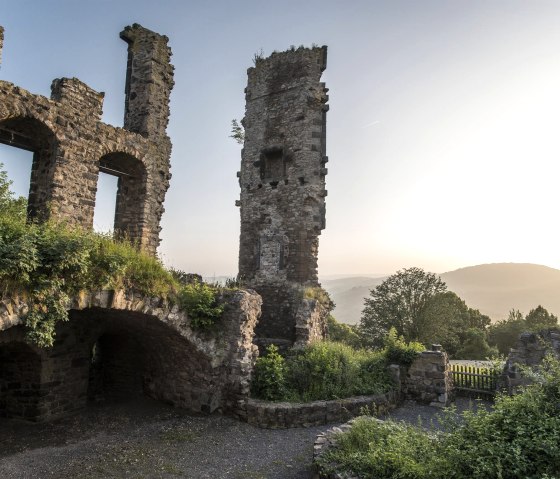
<point>149,80</point>
<point>428,379</point>
<point>1,42</point>
<point>282,181</point>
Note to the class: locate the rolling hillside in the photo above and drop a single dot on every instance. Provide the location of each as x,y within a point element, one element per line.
<point>494,289</point>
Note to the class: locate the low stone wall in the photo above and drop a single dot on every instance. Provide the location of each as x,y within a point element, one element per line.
<point>428,379</point>
<point>282,415</point>
<point>323,442</point>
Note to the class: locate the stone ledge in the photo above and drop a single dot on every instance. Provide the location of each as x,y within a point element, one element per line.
<point>283,415</point>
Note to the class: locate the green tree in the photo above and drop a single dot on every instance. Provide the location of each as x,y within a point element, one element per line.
<point>399,302</point>
<point>475,346</point>
<point>540,318</point>
<point>237,132</point>
<point>505,333</point>
<point>343,333</point>
<point>446,319</point>
<point>10,206</point>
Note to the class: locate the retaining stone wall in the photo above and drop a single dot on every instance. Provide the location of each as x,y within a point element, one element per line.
<point>281,415</point>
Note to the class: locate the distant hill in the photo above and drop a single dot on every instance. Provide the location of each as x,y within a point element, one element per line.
<point>348,295</point>
<point>494,289</point>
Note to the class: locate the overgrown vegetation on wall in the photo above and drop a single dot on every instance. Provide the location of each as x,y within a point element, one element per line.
<point>328,370</point>
<point>518,438</point>
<point>48,263</point>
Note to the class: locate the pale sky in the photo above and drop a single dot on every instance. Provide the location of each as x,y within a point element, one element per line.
<point>443,130</point>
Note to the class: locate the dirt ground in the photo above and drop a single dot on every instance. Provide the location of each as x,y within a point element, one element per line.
<point>146,439</point>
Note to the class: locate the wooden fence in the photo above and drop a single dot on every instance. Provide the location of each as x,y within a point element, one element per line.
<point>474,380</point>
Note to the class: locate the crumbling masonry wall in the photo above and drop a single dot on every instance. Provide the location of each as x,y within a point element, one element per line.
<point>282,182</point>
<point>122,344</point>
<point>529,351</point>
<point>71,145</point>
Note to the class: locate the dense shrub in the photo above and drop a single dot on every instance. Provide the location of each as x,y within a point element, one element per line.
<point>519,438</point>
<point>269,380</point>
<point>377,449</point>
<point>323,370</point>
<point>398,351</point>
<point>50,262</point>
<point>200,301</point>
<point>343,333</point>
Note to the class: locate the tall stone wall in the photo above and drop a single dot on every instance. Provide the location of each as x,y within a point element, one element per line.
<point>71,145</point>
<point>282,181</point>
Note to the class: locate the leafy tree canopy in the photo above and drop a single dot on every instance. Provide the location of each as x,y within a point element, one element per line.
<point>446,319</point>
<point>10,205</point>
<point>504,334</point>
<point>399,302</point>
<point>540,318</point>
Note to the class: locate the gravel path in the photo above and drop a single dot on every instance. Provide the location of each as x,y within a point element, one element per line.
<point>146,439</point>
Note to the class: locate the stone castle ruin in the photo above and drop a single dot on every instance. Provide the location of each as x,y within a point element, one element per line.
<point>71,145</point>
<point>282,201</point>
<point>120,343</point>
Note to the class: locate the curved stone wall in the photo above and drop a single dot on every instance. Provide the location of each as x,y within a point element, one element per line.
<point>282,415</point>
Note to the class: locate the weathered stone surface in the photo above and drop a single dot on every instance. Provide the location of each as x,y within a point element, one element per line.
<point>530,350</point>
<point>71,145</point>
<point>1,42</point>
<point>282,181</point>
<point>123,343</point>
<point>428,379</point>
<point>281,415</point>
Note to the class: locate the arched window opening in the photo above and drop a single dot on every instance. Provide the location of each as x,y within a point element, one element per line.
<point>129,176</point>
<point>105,203</point>
<point>29,135</point>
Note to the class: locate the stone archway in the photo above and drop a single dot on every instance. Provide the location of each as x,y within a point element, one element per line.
<point>146,345</point>
<point>33,135</point>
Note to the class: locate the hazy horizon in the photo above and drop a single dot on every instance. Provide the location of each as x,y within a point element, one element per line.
<point>441,134</point>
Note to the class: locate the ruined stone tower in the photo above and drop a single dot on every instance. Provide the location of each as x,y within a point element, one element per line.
<point>71,145</point>
<point>282,181</point>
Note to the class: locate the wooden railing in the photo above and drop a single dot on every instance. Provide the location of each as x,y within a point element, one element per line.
<point>475,380</point>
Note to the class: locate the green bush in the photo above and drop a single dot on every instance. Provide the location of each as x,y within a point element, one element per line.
<point>200,301</point>
<point>398,351</point>
<point>519,438</point>
<point>49,263</point>
<point>269,376</point>
<point>323,370</point>
<point>343,333</point>
<point>374,449</point>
